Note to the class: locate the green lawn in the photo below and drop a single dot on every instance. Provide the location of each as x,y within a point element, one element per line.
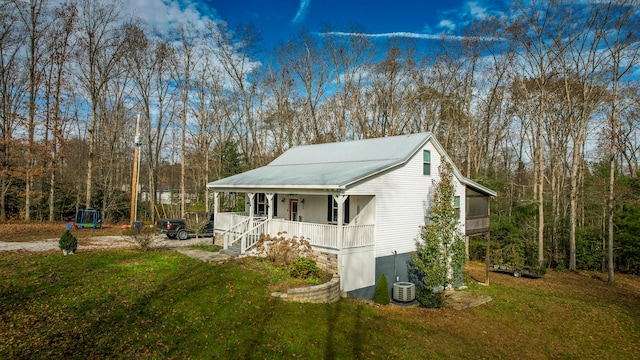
<point>161,304</point>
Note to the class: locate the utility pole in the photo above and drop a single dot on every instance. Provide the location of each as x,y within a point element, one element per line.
<point>134,180</point>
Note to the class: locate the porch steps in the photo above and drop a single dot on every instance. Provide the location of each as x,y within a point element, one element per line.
<point>233,250</point>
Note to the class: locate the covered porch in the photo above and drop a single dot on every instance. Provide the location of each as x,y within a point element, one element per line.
<point>333,225</point>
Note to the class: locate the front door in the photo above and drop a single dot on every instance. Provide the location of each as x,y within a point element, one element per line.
<point>293,210</point>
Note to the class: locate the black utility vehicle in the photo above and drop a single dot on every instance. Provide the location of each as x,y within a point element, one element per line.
<point>177,228</point>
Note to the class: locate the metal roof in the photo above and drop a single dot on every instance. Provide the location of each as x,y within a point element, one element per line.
<point>331,166</point>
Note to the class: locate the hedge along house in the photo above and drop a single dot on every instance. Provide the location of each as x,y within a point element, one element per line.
<point>361,203</point>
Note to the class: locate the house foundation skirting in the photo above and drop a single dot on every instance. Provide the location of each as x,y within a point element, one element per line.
<point>394,267</point>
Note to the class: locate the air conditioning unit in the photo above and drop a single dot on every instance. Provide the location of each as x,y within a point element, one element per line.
<point>404,291</point>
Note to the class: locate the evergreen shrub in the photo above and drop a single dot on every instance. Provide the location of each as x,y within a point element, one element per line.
<point>382,291</point>
<point>68,242</point>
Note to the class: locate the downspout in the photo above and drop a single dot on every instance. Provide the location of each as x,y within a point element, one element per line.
<point>395,265</point>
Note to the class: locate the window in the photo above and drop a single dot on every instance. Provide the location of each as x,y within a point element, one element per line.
<point>332,210</point>
<point>262,205</point>
<point>426,162</point>
<point>456,206</point>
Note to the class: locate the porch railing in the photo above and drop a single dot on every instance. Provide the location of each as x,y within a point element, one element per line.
<point>239,230</point>
<point>318,235</point>
<point>227,220</point>
<point>357,236</point>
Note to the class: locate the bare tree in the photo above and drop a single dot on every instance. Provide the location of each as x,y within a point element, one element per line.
<point>99,44</point>
<point>149,64</point>
<point>492,82</point>
<point>233,52</point>
<point>629,132</point>
<point>389,93</point>
<point>281,118</point>
<point>621,39</point>
<point>580,66</point>
<point>57,83</point>
<point>114,143</point>
<point>303,57</point>
<point>36,22</point>
<point>185,63</point>
<point>12,91</point>
<point>206,86</point>
<point>532,33</point>
<point>349,56</point>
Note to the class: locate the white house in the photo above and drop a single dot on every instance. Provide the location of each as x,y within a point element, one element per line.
<point>361,203</point>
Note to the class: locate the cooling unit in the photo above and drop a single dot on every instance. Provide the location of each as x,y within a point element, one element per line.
<point>404,291</point>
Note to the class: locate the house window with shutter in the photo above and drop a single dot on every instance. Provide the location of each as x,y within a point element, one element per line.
<point>426,162</point>
<point>456,206</point>
<point>262,205</point>
<point>332,210</point>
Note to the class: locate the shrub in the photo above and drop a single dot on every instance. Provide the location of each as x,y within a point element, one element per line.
<point>382,291</point>
<point>68,243</point>
<point>196,222</point>
<point>304,268</point>
<point>143,240</point>
<point>281,250</point>
<point>427,298</point>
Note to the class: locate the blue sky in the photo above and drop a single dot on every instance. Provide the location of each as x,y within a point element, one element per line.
<point>279,19</point>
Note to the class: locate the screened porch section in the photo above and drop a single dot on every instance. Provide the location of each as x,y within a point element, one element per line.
<point>477,213</point>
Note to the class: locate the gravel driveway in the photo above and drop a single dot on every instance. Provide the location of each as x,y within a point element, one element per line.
<point>99,242</point>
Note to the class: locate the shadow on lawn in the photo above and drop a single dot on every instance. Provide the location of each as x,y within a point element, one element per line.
<point>335,318</point>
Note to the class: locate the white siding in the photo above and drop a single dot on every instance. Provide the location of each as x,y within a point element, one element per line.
<point>314,208</point>
<point>401,197</point>
<point>357,268</point>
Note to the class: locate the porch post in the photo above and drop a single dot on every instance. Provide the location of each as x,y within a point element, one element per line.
<point>466,246</point>
<point>487,238</point>
<point>251,197</point>
<point>269,197</point>
<point>340,199</point>
<point>216,210</point>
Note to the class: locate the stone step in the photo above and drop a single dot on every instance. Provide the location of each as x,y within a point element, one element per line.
<point>233,250</point>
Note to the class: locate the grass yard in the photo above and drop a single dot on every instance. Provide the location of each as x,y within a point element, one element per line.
<point>161,304</point>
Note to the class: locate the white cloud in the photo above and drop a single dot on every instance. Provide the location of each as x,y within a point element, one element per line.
<point>162,15</point>
<point>447,25</point>
<point>303,10</point>
<point>476,10</point>
<point>407,35</point>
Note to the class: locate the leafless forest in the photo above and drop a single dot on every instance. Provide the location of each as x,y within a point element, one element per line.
<point>541,104</point>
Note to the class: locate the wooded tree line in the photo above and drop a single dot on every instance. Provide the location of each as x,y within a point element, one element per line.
<point>540,104</point>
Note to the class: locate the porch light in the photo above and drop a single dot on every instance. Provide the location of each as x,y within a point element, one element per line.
<point>302,201</point>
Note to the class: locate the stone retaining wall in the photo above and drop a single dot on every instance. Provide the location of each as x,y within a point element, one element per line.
<point>326,261</point>
<point>219,240</point>
<point>324,293</point>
